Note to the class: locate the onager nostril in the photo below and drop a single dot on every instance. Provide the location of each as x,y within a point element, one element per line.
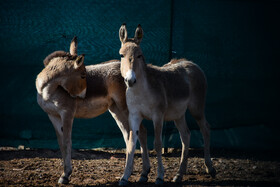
<point>130,84</point>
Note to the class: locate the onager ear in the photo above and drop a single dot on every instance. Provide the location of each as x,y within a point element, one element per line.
<point>79,61</point>
<point>138,34</point>
<point>123,33</point>
<point>74,46</point>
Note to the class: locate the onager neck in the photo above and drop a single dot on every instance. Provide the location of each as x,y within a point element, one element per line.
<point>46,87</point>
<point>141,76</point>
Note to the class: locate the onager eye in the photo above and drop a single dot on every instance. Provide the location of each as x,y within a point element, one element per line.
<point>139,56</point>
<point>83,76</point>
<point>121,55</point>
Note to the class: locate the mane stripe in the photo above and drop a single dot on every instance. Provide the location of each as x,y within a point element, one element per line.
<point>174,61</point>
<point>57,54</point>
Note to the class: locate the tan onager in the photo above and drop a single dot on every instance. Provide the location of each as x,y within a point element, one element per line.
<point>159,94</point>
<point>68,89</point>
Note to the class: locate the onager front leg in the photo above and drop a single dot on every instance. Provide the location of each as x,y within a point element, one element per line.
<point>158,123</point>
<point>121,119</point>
<point>67,121</point>
<point>145,154</point>
<point>57,124</point>
<point>134,121</point>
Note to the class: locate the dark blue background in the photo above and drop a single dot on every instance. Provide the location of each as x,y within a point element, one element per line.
<point>236,43</point>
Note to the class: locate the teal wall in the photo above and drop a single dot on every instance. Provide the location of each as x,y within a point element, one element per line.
<point>236,43</point>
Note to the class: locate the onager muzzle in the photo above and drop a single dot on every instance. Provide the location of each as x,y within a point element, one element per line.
<point>82,95</point>
<point>130,78</point>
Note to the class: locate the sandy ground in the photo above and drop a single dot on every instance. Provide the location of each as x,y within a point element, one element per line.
<point>103,167</point>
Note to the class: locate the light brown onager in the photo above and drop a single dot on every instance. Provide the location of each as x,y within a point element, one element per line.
<point>158,94</point>
<point>68,89</point>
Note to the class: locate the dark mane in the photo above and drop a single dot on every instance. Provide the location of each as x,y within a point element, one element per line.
<point>57,54</point>
<point>174,61</point>
<point>109,61</point>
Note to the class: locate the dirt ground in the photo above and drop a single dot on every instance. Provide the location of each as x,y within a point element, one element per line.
<point>103,167</point>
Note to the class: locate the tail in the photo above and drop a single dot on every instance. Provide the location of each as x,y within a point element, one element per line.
<point>198,88</point>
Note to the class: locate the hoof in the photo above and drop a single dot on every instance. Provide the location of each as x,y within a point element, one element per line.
<point>177,178</point>
<point>123,182</point>
<point>159,181</point>
<point>63,180</point>
<point>143,179</point>
<point>213,173</point>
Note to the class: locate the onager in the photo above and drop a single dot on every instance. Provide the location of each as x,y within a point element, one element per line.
<point>68,89</point>
<point>158,94</point>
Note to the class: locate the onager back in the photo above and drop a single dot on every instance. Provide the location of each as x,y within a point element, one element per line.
<point>162,93</point>
<point>68,89</point>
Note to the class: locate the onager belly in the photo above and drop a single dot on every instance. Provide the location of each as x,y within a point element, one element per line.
<point>148,106</point>
<point>176,110</point>
<point>172,112</point>
<point>92,108</point>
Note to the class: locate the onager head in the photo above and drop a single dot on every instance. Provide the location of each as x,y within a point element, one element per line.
<point>131,55</point>
<point>63,69</point>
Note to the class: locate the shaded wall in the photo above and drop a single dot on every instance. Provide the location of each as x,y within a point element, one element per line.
<point>234,42</point>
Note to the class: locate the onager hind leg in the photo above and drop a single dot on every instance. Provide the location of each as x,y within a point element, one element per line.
<point>145,154</point>
<point>57,124</point>
<point>67,121</point>
<point>185,139</point>
<point>198,113</point>
<point>121,120</point>
<point>205,131</point>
